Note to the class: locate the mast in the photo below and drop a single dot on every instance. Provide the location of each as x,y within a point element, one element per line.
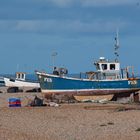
<point>54,54</point>
<point>117,46</point>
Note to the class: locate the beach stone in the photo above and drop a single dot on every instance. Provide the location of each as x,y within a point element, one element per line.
<point>13,89</point>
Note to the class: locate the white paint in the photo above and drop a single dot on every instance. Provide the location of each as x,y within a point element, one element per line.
<point>79,90</point>
<point>18,83</point>
<point>71,78</point>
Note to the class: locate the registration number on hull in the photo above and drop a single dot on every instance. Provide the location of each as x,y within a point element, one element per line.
<point>48,80</point>
<point>134,82</point>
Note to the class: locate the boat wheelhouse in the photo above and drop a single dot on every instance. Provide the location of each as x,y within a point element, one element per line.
<point>20,81</point>
<point>106,70</point>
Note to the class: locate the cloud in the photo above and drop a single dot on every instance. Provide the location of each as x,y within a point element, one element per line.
<point>107,2</point>
<point>62,26</point>
<point>61,2</point>
<point>64,9</point>
<point>93,3</point>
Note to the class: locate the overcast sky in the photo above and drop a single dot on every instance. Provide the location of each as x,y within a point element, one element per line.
<point>80,31</point>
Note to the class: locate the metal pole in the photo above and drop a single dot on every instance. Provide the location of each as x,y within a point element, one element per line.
<point>54,54</point>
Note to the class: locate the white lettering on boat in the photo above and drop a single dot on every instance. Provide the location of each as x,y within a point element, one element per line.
<point>48,80</point>
<point>134,82</point>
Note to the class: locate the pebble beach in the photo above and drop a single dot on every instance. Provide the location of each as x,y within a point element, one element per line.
<point>74,121</point>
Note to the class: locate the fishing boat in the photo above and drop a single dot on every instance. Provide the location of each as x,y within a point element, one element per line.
<point>20,81</point>
<point>108,80</point>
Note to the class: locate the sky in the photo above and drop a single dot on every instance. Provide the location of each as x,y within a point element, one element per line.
<point>37,34</point>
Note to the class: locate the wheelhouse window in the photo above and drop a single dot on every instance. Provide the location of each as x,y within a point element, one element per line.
<point>98,67</point>
<point>104,66</point>
<point>112,67</point>
<point>22,76</point>
<point>18,76</point>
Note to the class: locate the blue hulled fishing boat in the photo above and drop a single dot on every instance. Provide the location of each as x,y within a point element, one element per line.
<point>108,79</point>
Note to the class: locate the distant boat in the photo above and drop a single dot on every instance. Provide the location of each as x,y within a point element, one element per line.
<point>2,83</point>
<point>20,81</point>
<point>108,79</point>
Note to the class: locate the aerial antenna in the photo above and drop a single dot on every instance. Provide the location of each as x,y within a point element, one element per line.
<point>117,46</point>
<point>54,54</point>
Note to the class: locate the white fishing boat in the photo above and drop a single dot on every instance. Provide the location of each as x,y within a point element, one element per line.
<point>20,81</point>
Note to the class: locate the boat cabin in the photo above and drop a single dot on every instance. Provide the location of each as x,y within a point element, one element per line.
<point>60,71</point>
<point>103,65</point>
<point>107,69</point>
<point>20,76</point>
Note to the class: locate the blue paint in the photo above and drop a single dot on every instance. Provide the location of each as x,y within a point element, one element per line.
<point>14,102</point>
<point>58,83</point>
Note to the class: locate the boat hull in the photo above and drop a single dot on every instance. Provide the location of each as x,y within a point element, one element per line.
<point>18,83</point>
<point>56,85</point>
<point>94,98</point>
<point>90,92</point>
